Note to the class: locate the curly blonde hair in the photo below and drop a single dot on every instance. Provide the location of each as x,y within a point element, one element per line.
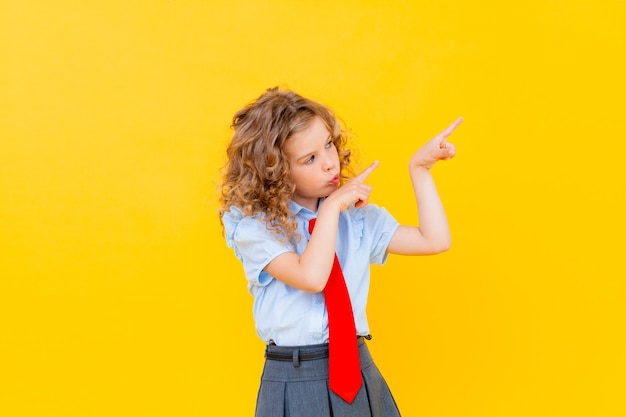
<point>256,178</point>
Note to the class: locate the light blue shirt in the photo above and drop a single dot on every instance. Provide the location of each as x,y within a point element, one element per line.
<point>292,317</point>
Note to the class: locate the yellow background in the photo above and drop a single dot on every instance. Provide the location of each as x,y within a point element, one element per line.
<point>118,296</point>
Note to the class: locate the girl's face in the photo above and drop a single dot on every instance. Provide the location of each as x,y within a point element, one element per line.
<point>314,164</point>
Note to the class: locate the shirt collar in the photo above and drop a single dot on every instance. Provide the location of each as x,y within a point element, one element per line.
<point>303,212</point>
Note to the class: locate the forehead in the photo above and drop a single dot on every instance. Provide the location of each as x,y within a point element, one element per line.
<point>309,139</point>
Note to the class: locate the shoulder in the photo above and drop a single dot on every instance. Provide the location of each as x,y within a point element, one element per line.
<point>367,213</point>
<point>368,219</point>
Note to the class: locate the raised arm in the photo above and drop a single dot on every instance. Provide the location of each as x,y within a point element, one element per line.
<point>310,271</point>
<point>433,234</point>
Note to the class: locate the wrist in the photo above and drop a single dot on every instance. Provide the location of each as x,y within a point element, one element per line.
<point>418,169</point>
<point>330,207</point>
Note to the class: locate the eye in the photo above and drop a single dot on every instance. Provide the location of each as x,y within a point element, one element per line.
<point>330,144</point>
<point>309,160</point>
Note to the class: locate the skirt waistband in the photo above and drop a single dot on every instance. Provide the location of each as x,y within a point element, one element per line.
<point>297,354</point>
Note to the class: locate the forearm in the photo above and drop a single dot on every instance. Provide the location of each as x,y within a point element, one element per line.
<point>317,259</point>
<point>433,223</point>
<point>310,270</point>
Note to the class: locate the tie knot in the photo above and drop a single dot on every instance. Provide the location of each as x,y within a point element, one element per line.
<point>311,225</point>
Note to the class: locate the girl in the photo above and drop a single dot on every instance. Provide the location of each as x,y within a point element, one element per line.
<point>287,162</point>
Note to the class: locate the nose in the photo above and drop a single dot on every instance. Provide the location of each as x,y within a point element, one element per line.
<point>329,164</point>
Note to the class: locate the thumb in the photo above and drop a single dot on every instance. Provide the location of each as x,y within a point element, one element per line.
<point>448,150</point>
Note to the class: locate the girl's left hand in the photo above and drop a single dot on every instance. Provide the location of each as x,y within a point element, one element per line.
<point>437,149</point>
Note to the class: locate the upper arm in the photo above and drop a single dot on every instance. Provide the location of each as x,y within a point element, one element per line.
<point>409,240</point>
<point>286,268</point>
<point>256,247</point>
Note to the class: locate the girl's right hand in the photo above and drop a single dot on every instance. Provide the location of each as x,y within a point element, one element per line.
<point>354,192</point>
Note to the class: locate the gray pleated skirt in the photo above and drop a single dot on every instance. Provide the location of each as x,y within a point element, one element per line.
<point>302,391</point>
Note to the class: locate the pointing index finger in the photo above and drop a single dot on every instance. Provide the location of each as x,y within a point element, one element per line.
<point>366,172</point>
<point>448,131</point>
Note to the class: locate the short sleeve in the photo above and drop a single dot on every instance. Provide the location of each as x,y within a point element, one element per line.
<point>254,244</point>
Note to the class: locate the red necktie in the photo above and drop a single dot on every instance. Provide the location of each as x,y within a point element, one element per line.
<point>344,367</point>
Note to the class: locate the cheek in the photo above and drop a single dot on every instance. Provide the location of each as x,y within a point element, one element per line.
<point>297,175</point>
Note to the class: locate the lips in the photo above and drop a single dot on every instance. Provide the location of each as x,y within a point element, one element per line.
<point>335,180</point>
